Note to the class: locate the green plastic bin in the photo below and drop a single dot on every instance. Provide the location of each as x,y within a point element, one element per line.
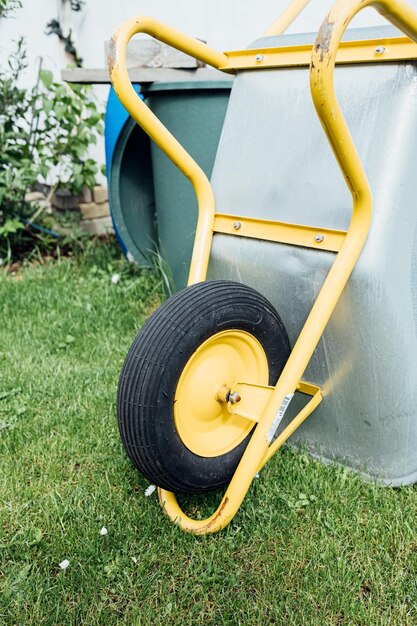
<point>151,201</point>
<point>194,113</point>
<point>131,193</point>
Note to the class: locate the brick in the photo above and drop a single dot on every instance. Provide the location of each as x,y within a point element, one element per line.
<point>86,195</point>
<point>91,210</point>
<point>99,226</point>
<point>100,194</point>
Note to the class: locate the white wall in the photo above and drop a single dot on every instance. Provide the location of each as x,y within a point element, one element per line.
<point>224,24</point>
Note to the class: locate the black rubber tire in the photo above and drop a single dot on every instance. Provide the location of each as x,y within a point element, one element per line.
<point>153,367</point>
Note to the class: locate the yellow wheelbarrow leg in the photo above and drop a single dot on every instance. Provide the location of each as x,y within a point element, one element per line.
<point>237,489</point>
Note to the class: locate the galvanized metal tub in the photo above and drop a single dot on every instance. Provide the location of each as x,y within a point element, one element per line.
<point>274,162</point>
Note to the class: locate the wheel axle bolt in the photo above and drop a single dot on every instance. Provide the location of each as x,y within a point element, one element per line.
<point>234,397</point>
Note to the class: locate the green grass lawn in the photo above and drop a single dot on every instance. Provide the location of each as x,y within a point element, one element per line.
<point>312,544</point>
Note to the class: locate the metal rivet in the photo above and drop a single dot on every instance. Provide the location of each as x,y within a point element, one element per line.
<point>379,50</point>
<point>259,58</point>
<point>234,397</point>
<point>319,238</point>
<point>236,225</point>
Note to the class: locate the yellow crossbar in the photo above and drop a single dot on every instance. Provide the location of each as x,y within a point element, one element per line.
<point>366,51</point>
<point>282,232</point>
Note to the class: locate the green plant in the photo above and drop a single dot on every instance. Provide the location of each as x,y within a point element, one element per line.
<point>17,170</point>
<point>157,260</point>
<point>67,122</point>
<point>45,134</point>
<point>8,6</point>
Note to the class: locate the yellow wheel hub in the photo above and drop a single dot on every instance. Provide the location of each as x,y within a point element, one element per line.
<point>202,421</point>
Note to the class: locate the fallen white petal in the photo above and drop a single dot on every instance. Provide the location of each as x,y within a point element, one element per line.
<point>257,475</point>
<point>64,564</point>
<point>103,531</point>
<point>149,491</point>
<point>115,279</point>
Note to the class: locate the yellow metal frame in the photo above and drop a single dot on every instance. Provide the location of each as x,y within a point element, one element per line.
<point>365,51</point>
<point>347,245</point>
<point>209,427</point>
<point>281,232</point>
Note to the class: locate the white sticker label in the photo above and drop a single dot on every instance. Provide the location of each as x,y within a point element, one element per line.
<point>278,418</point>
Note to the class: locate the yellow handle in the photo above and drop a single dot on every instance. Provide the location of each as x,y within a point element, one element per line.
<point>322,83</point>
<point>287,17</point>
<point>158,132</point>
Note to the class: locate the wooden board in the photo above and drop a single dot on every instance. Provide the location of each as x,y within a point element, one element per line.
<point>153,53</point>
<point>144,75</point>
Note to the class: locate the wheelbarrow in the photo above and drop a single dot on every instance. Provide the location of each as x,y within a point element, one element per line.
<point>216,380</point>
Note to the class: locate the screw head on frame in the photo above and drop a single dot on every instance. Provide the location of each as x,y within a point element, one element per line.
<point>234,398</point>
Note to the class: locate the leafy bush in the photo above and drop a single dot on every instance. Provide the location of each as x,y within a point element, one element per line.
<point>8,6</point>
<point>45,133</point>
